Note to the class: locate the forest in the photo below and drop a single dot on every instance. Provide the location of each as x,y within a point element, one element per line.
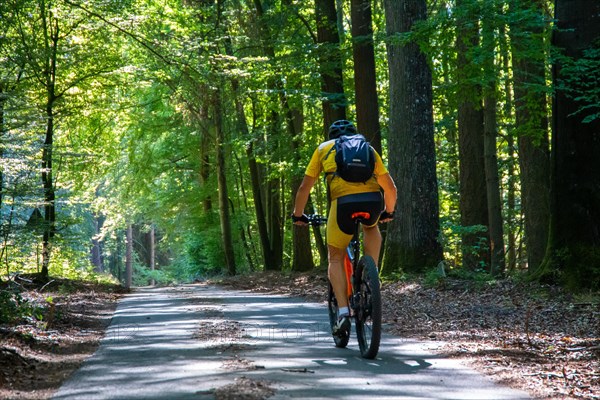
<point>163,140</point>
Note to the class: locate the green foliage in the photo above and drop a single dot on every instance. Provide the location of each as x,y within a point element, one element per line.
<point>434,277</point>
<point>143,276</point>
<point>12,306</point>
<point>478,276</point>
<point>580,80</point>
<point>452,240</point>
<point>135,140</point>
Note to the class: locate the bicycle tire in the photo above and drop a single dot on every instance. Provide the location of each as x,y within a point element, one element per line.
<point>368,308</point>
<point>340,340</point>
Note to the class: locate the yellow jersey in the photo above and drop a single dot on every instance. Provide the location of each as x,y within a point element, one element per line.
<point>323,160</point>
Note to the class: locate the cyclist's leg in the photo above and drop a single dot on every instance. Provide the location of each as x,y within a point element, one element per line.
<point>372,241</point>
<point>337,241</point>
<point>337,275</point>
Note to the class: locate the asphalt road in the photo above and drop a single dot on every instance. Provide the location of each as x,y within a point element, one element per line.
<point>186,342</point>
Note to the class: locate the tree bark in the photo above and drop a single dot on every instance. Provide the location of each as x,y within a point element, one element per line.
<point>574,244</point>
<point>412,239</point>
<point>473,197</point>
<point>365,74</point>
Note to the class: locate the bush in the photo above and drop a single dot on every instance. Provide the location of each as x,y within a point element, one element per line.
<point>12,306</point>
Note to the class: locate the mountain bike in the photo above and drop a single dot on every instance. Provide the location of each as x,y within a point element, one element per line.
<point>364,295</point>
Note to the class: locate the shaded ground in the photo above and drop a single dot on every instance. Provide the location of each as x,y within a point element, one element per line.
<point>536,338</point>
<point>60,325</point>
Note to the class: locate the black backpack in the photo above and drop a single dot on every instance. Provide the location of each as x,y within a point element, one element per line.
<point>354,157</point>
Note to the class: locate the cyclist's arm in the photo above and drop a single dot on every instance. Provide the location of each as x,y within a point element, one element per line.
<point>302,194</point>
<point>389,191</point>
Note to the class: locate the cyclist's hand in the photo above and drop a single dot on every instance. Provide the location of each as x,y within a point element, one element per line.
<point>386,216</point>
<point>301,220</point>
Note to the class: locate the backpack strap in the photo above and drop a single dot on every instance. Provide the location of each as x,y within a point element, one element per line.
<point>326,157</point>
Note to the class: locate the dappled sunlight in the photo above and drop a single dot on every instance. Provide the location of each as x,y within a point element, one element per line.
<point>160,343</point>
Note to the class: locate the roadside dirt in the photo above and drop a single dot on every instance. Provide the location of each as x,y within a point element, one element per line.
<point>62,327</point>
<point>531,337</point>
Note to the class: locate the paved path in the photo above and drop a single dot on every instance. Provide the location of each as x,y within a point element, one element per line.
<point>186,341</point>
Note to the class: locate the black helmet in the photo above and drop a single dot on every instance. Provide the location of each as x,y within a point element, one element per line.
<point>340,128</point>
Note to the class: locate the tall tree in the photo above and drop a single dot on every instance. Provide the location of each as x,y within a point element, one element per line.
<point>527,32</point>
<point>365,76</point>
<point>574,243</point>
<point>494,202</point>
<point>412,240</point>
<point>48,72</point>
<point>473,197</point>
<point>224,211</point>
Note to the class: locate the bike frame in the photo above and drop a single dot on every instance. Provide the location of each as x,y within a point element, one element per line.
<point>353,253</point>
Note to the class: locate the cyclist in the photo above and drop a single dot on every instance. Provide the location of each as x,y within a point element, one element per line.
<point>376,196</point>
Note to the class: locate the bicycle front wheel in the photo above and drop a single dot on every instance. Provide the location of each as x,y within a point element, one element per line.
<point>368,308</point>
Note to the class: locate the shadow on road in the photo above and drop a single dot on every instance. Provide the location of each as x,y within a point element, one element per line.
<point>183,342</point>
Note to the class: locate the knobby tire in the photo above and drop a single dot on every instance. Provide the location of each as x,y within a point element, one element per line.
<point>368,316</point>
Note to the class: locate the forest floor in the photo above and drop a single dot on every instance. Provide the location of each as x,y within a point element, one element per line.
<point>60,324</point>
<point>536,338</point>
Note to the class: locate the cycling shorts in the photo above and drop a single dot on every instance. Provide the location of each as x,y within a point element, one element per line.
<point>340,226</point>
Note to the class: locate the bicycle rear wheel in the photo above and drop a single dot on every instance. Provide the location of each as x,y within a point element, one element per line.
<point>368,308</point>
<point>341,340</point>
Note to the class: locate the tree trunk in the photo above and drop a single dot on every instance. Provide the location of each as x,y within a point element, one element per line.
<point>96,252</point>
<point>302,250</point>
<point>152,248</point>
<point>511,190</point>
<point>412,239</point>
<point>511,211</point>
<point>224,214</point>
<point>261,221</point>
<point>531,112</point>
<point>473,198</point>
<point>205,144</point>
<point>330,63</point>
<point>494,202</point>
<point>50,28</point>
<point>2,128</point>
<point>271,188</point>
<point>129,257</point>
<point>365,74</point>
<point>574,244</point>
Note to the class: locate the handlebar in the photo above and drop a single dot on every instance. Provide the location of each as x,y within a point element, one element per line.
<point>316,219</point>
